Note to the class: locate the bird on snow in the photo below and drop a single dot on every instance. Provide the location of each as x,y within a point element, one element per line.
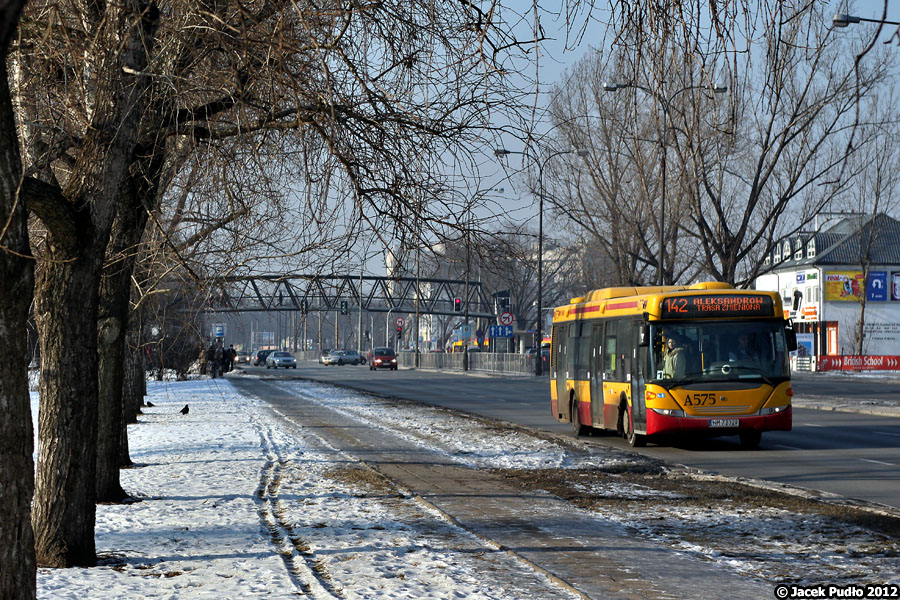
<point>150,404</point>
<point>185,410</point>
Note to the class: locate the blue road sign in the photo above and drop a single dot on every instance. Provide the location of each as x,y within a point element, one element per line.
<point>500,331</point>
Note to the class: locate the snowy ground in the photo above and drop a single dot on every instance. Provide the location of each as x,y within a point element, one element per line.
<point>239,503</point>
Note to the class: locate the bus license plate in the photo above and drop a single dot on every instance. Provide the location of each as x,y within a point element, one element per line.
<point>724,422</point>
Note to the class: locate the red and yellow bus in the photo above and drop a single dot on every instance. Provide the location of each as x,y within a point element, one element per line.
<point>704,359</point>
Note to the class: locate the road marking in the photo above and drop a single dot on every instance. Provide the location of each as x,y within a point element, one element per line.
<point>887,433</point>
<point>878,462</point>
<point>788,447</point>
<point>812,425</point>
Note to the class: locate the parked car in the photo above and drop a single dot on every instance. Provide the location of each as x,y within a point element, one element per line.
<point>260,359</point>
<point>280,358</point>
<point>344,357</point>
<point>323,355</point>
<point>382,358</point>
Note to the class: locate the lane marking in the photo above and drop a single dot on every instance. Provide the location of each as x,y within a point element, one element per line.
<point>813,425</point>
<point>887,433</point>
<point>877,462</point>
<point>788,447</point>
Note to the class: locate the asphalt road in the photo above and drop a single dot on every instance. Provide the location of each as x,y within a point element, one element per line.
<point>849,454</point>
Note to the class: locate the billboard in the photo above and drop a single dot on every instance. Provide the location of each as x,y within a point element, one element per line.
<point>843,286</point>
<point>895,286</point>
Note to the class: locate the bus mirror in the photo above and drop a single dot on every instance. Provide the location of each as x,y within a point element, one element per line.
<point>644,340</point>
<point>790,338</point>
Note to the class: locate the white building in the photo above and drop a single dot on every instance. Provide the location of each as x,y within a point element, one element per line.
<point>820,278</point>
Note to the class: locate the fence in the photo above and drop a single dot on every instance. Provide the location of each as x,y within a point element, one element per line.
<point>490,362</point>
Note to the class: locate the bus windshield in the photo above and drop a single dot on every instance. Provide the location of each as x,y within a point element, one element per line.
<point>699,351</point>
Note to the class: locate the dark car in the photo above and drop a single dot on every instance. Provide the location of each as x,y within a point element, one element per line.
<point>261,357</point>
<point>382,358</point>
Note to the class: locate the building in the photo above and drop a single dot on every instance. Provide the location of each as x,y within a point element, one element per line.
<point>820,277</point>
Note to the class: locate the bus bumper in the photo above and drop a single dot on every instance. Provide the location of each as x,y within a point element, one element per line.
<point>662,424</point>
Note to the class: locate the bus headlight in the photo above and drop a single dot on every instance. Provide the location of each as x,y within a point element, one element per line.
<point>668,412</point>
<point>772,410</point>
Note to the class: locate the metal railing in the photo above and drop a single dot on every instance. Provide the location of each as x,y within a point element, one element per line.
<point>509,363</point>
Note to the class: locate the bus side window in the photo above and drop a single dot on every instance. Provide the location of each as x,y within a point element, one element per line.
<point>609,353</point>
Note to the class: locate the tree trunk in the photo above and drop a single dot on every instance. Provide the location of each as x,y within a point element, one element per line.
<point>115,290</point>
<point>64,511</point>
<point>17,559</point>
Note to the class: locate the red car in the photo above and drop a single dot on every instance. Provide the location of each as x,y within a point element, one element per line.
<point>382,358</point>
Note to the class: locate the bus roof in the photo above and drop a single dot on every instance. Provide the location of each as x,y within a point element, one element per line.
<point>711,299</point>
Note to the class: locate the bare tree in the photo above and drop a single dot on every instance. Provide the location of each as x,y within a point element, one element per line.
<point>745,171</point>
<point>357,98</point>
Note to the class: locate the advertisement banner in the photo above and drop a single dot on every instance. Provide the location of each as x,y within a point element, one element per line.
<point>805,344</point>
<point>858,363</point>
<point>895,286</point>
<point>843,286</point>
<point>877,289</point>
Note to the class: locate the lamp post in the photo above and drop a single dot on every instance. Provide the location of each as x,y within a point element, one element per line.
<point>843,20</point>
<point>664,103</point>
<point>538,366</point>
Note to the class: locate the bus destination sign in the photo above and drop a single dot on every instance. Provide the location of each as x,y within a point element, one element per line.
<point>716,306</point>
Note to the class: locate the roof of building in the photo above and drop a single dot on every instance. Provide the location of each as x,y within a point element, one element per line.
<point>847,242</point>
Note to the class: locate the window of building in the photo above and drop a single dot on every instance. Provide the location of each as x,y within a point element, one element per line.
<point>798,249</point>
<point>811,248</point>
<point>777,253</point>
<point>786,251</point>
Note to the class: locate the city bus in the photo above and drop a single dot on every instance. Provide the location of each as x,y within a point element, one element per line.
<point>698,360</point>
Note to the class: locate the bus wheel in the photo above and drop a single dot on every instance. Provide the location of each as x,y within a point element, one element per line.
<point>634,440</point>
<point>750,439</point>
<point>577,428</point>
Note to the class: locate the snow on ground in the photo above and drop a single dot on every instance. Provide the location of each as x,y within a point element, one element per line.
<point>237,503</point>
<point>233,506</point>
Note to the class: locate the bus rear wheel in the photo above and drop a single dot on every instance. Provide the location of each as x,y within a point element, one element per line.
<point>635,440</point>
<point>750,439</point>
<point>577,428</point>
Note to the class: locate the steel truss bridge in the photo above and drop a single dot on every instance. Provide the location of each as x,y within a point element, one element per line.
<point>351,293</point>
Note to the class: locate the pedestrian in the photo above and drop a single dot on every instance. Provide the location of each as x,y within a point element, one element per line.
<point>211,362</point>
<point>219,354</point>
<point>230,355</point>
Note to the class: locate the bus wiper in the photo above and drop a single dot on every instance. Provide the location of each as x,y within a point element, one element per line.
<point>757,372</point>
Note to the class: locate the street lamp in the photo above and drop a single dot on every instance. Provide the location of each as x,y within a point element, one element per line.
<point>538,366</point>
<point>664,102</point>
<point>842,20</point>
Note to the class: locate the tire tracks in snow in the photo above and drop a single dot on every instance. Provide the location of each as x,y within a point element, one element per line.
<point>305,570</point>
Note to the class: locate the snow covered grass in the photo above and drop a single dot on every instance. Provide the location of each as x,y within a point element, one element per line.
<point>234,506</point>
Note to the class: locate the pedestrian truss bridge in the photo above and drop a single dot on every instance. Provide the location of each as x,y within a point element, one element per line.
<point>351,293</point>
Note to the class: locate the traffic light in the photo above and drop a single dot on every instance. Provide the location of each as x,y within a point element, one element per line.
<point>457,305</point>
<point>304,305</point>
<point>345,308</point>
<point>399,333</point>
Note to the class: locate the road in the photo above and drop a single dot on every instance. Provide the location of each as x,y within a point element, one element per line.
<point>849,454</point>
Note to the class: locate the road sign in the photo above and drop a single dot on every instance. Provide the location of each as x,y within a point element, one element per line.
<point>400,322</point>
<point>506,318</point>
<point>500,331</point>
<point>219,330</point>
